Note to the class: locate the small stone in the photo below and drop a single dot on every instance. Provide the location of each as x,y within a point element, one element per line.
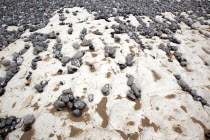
<point>28,120</point>
<point>182,84</point>
<point>86,42</point>
<point>70,30</point>
<point>105,89</point>
<point>2,124</point>
<point>39,88</point>
<point>67,91</point>
<point>77,112</point>
<point>70,105</point>
<point>76,45</point>
<point>130,80</point>
<point>79,105</point>
<point>8,122</point>
<point>18,125</point>
<point>178,77</point>
<point>203,101</point>
<point>59,105</point>
<point>65,99</point>
<point>5,62</point>
<point>65,59</point>
<point>71,70</point>
<point>131,96</point>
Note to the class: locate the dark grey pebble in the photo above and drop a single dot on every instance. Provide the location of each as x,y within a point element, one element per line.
<point>65,59</point>
<point>65,99</point>
<point>67,91</point>
<point>193,92</point>
<point>77,112</point>
<point>29,119</point>
<point>203,101</point>
<point>78,54</point>
<point>79,104</point>
<point>86,42</point>
<point>2,124</point>
<point>178,77</point>
<point>39,88</point>
<point>136,91</point>
<point>182,84</point>
<point>129,59</point>
<point>8,122</point>
<point>130,80</point>
<point>60,105</point>
<point>131,96</point>
<point>71,97</point>
<point>70,30</point>
<point>76,45</point>
<point>197,98</point>
<point>105,89</point>
<point>70,105</point>
<point>5,62</point>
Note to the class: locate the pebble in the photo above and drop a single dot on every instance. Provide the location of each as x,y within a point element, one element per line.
<point>131,96</point>
<point>79,104</point>
<point>86,42</point>
<point>2,124</point>
<point>70,105</point>
<point>5,62</point>
<point>129,59</point>
<point>136,91</point>
<point>76,45</point>
<point>71,70</point>
<point>105,89</point>
<point>28,120</point>
<point>67,91</point>
<point>77,113</point>
<point>59,105</point>
<point>130,80</point>
<point>65,99</point>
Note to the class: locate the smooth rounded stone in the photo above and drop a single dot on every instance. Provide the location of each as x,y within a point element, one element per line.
<point>65,99</point>
<point>178,77</point>
<point>79,55</point>
<point>203,101</point>
<point>27,46</point>
<point>70,30</point>
<point>39,88</point>
<point>28,120</point>
<point>84,31</point>
<point>90,97</point>
<point>14,123</point>
<point>58,40</point>
<point>105,89</point>
<point>76,45</point>
<point>67,91</point>
<point>77,113</point>
<point>13,64</point>
<point>71,70</point>
<point>79,104</point>
<point>60,105</point>
<point>70,105</point>
<point>5,62</point>
<point>117,39</point>
<point>177,54</point>
<point>183,63</point>
<point>2,124</point>
<point>131,96</point>
<point>193,92</point>
<point>136,91</point>
<point>130,80</point>
<point>129,59</point>
<point>182,84</point>
<point>86,42</point>
<point>91,47</point>
<point>197,98</point>
<point>8,122</point>
<point>65,59</point>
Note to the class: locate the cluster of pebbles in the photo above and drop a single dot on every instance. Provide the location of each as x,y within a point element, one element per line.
<point>12,67</point>
<point>193,92</point>
<point>35,15</point>
<point>74,104</point>
<point>11,123</point>
<point>135,92</point>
